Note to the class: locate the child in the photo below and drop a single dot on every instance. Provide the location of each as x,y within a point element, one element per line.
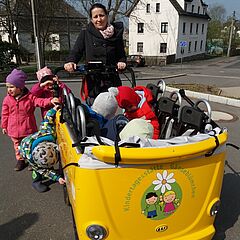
<point>103,108</point>
<point>137,104</point>
<point>48,86</point>
<point>18,120</point>
<point>137,127</point>
<point>41,151</point>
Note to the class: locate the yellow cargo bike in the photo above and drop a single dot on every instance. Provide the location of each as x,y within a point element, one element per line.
<point>145,190</point>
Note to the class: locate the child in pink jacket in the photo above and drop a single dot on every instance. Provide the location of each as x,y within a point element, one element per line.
<point>45,87</point>
<point>18,119</point>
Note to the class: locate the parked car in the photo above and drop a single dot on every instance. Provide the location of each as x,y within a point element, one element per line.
<point>136,61</point>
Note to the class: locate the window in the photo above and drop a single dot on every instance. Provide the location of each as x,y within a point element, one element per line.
<point>148,8</point>
<point>197,28</point>
<point>198,10</point>
<point>140,47</point>
<point>201,45</point>
<point>140,27</point>
<point>185,7</point>
<point>184,28</point>
<point>203,28</point>
<point>163,47</point>
<point>157,7</point>
<point>164,27</point>
<point>189,46</point>
<point>192,8</point>
<point>195,46</point>
<point>191,25</point>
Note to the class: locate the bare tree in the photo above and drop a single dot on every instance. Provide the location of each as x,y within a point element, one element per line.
<point>9,19</point>
<point>52,17</point>
<point>116,8</point>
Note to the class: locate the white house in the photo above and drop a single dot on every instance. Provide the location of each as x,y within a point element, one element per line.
<point>168,29</point>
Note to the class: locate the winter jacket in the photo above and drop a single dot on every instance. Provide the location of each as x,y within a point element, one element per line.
<point>91,45</point>
<point>18,115</point>
<point>37,91</point>
<point>145,110</point>
<point>47,132</point>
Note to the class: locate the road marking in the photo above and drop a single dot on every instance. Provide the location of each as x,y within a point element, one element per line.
<point>214,76</point>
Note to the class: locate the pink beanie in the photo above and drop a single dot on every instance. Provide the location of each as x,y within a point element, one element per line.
<point>17,78</point>
<point>43,72</point>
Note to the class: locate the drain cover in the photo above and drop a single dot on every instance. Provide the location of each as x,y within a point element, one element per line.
<point>221,116</point>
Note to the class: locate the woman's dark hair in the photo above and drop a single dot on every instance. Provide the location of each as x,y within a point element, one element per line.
<point>97,5</point>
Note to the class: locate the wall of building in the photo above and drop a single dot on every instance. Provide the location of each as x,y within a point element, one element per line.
<point>196,40</point>
<point>152,36</point>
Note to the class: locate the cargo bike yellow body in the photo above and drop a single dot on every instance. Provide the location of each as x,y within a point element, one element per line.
<point>158,190</point>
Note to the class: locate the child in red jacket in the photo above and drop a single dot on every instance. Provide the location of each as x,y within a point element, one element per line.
<point>45,87</point>
<point>18,119</point>
<point>137,104</point>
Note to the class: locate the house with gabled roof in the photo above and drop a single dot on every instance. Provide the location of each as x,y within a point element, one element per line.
<point>168,30</point>
<point>59,29</point>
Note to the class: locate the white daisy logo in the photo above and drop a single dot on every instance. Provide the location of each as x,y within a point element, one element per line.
<point>164,181</point>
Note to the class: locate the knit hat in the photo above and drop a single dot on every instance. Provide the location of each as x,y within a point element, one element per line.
<point>44,74</point>
<point>17,78</point>
<point>105,104</point>
<point>137,127</point>
<point>127,97</point>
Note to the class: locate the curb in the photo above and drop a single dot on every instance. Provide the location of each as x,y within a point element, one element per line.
<point>209,97</point>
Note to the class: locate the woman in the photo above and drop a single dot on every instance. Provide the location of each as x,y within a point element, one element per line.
<point>103,42</point>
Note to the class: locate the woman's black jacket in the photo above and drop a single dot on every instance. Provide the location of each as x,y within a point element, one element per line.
<point>91,45</point>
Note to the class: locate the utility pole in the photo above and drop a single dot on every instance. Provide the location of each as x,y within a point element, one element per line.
<point>231,33</point>
<point>36,36</point>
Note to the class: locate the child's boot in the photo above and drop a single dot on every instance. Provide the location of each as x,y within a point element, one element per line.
<point>20,165</point>
<point>37,182</point>
<point>39,186</point>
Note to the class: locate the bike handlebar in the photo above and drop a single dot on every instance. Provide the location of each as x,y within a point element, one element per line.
<point>97,67</point>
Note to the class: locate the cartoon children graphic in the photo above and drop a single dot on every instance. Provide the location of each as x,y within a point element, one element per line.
<point>168,198</point>
<point>151,207</point>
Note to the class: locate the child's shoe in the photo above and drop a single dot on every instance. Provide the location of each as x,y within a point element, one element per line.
<point>40,187</point>
<point>20,165</point>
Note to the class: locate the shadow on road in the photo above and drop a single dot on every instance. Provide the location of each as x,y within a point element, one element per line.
<point>15,228</point>
<point>230,205</point>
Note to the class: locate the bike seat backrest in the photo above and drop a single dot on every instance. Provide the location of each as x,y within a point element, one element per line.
<point>154,89</point>
<point>168,107</point>
<point>193,117</point>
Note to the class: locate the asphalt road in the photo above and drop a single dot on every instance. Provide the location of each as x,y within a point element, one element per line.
<point>26,214</point>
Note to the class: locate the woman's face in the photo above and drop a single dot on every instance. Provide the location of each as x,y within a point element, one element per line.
<point>99,18</point>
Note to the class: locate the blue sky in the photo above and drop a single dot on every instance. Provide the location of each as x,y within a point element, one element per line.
<point>230,6</point>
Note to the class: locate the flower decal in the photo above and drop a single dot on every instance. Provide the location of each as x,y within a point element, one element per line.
<point>164,181</point>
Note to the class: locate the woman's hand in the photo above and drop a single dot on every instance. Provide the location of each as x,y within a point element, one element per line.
<point>70,66</point>
<point>121,65</point>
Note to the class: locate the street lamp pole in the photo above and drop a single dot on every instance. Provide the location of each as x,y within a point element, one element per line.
<point>231,33</point>
<point>36,36</point>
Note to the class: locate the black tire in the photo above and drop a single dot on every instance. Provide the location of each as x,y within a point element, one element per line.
<point>65,196</point>
<point>74,227</point>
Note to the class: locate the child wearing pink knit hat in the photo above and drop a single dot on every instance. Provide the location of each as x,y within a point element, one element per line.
<point>45,87</point>
<point>17,117</point>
